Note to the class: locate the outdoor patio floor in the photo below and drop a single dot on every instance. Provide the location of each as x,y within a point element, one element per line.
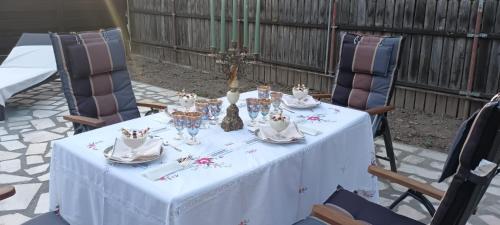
<point>34,121</point>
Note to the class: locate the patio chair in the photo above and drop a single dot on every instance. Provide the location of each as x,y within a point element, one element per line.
<point>96,83</point>
<point>30,63</point>
<point>50,218</point>
<point>365,81</point>
<point>477,165</point>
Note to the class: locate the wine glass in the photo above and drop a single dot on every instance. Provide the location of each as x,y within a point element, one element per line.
<point>265,107</point>
<point>215,106</point>
<point>202,107</point>
<point>179,119</point>
<point>253,109</point>
<point>263,91</point>
<point>276,99</point>
<point>193,123</point>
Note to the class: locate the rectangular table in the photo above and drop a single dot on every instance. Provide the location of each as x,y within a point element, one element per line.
<point>251,184</point>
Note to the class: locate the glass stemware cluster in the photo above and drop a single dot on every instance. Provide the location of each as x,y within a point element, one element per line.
<point>263,103</point>
<point>206,112</point>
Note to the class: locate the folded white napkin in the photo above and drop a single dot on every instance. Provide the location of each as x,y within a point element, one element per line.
<point>149,150</point>
<point>291,133</point>
<point>308,130</point>
<point>291,101</point>
<point>162,170</point>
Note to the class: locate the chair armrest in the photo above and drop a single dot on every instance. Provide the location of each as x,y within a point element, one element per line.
<point>407,182</point>
<point>7,191</point>
<point>332,217</point>
<point>380,110</point>
<point>152,105</point>
<point>93,122</point>
<point>321,96</point>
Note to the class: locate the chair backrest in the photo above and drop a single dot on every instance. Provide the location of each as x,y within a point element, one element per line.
<point>94,75</point>
<point>366,70</point>
<point>468,187</point>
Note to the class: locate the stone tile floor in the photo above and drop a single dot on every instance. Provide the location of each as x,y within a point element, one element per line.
<point>34,120</point>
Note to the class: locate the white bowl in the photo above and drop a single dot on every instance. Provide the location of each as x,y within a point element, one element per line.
<point>187,102</point>
<point>300,94</point>
<point>279,125</point>
<point>134,142</point>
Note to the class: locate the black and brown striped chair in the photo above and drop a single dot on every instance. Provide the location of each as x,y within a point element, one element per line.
<point>477,164</point>
<point>365,81</point>
<point>95,79</point>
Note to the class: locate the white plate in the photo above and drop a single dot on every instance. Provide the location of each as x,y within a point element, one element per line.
<point>276,139</point>
<point>307,103</point>
<point>107,154</point>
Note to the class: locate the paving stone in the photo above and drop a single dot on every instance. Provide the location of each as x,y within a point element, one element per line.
<point>8,155</point>
<point>45,102</point>
<point>423,172</point>
<point>441,186</point>
<point>60,130</point>
<point>413,159</point>
<point>41,124</point>
<point>36,149</point>
<point>15,124</point>
<point>19,118</point>
<point>25,130</point>
<point>20,127</point>
<point>34,159</point>
<point>10,166</point>
<point>494,191</point>
<point>3,132</point>
<point>490,219</point>
<point>43,204</point>
<point>13,219</point>
<point>22,198</point>
<point>9,137</point>
<point>496,181</point>
<point>410,212</point>
<point>40,136</point>
<point>37,169</point>
<point>12,145</point>
<point>437,165</point>
<point>433,155</point>
<point>43,107</point>
<point>44,177</point>
<point>10,179</point>
<point>44,113</point>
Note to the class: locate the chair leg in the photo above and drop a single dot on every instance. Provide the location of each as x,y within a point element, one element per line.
<point>389,149</point>
<point>2,113</point>
<point>417,196</point>
<point>152,111</point>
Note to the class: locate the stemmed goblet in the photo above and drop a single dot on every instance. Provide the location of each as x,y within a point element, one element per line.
<point>265,107</point>
<point>193,123</point>
<point>179,119</point>
<point>215,106</point>
<point>263,91</point>
<point>276,99</point>
<point>253,108</point>
<point>202,107</point>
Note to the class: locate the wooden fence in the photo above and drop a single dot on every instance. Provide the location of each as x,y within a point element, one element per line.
<point>18,16</point>
<point>295,43</point>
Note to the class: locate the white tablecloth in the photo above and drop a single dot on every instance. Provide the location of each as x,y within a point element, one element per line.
<point>24,67</point>
<point>251,184</point>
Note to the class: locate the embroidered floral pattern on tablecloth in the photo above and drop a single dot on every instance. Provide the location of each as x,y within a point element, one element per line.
<point>208,163</point>
<point>93,145</point>
<point>315,118</point>
<point>244,222</point>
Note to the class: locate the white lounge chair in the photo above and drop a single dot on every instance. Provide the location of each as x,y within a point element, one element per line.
<point>30,63</point>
